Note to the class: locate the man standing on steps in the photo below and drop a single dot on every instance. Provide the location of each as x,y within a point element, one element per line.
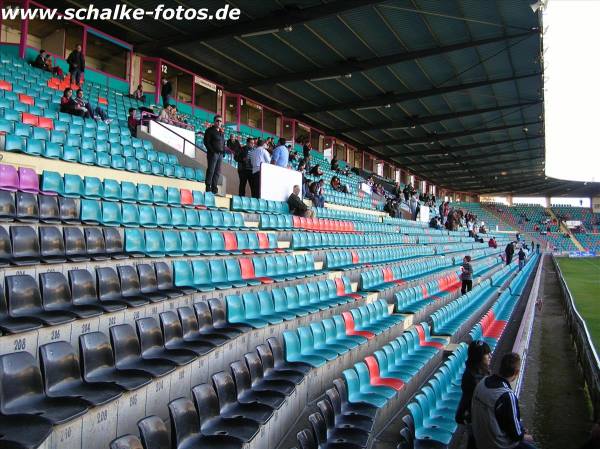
<point>521,255</point>
<point>214,141</point>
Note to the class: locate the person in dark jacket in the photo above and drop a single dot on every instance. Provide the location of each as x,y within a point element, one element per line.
<point>242,157</point>
<point>68,105</point>
<point>522,256</point>
<point>477,367</point>
<point>76,62</point>
<point>495,415</point>
<point>165,91</point>
<point>466,275</point>
<point>214,141</point>
<point>509,251</point>
<point>297,206</point>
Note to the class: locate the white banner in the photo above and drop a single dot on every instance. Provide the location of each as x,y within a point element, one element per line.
<point>179,138</point>
<point>276,183</point>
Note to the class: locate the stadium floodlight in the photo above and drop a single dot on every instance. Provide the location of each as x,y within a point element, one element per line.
<point>288,29</point>
<point>261,33</point>
<point>325,78</point>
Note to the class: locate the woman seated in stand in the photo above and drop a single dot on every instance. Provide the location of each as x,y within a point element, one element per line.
<point>69,106</point>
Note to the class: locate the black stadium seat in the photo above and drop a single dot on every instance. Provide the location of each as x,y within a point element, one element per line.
<point>114,243</point>
<point>99,364</point>
<point>24,299</point>
<point>130,285</point>
<point>198,326</point>
<point>25,245</point>
<point>217,420</point>
<point>343,430</point>
<point>347,416</point>
<point>219,318</point>
<point>186,433</point>
<point>149,284</point>
<point>173,335</point>
<point>22,391</point>
<point>94,240</point>
<point>306,440</point>
<point>75,249</point>
<point>261,382</point>
<point>154,433</point>
<point>230,407</point>
<point>62,376</point>
<point>56,295</point>
<point>153,345</point>
<point>128,355</point>
<point>69,210</point>
<point>7,206</point>
<point>246,394</point>
<point>269,370</point>
<point>23,431</point>
<point>27,207</point>
<point>109,288</point>
<point>83,291</point>
<point>48,208</point>
<point>5,248</point>
<point>281,363</point>
<point>164,276</point>
<point>52,245</point>
<point>127,442</point>
<point>14,325</point>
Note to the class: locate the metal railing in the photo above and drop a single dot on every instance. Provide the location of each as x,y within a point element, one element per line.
<point>586,351</point>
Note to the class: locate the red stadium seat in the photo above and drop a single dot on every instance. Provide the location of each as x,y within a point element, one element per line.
<point>349,321</point>
<point>26,99</point>
<point>5,85</point>
<point>30,119</point>
<point>187,199</point>
<point>377,380</point>
<point>230,241</point>
<point>46,123</point>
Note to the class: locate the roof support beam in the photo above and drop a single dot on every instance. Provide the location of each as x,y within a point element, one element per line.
<point>446,136</point>
<point>351,66</point>
<point>467,166</point>
<point>391,98</point>
<point>418,121</point>
<point>459,149</point>
<point>276,20</point>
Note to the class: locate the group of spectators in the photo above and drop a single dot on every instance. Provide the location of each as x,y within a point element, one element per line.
<point>75,60</point>
<point>81,107</point>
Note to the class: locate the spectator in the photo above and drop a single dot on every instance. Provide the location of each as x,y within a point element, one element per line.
<point>337,185</point>
<point>495,414</point>
<point>466,275</point>
<point>233,144</point>
<point>165,115</point>
<point>55,70</point>
<point>132,122</point>
<point>521,255</point>
<point>76,62</point>
<point>509,251</point>
<point>305,181</point>
<point>297,206</point>
<point>293,154</point>
<point>315,193</point>
<point>397,192</point>
<point>334,164</point>
<point>281,154</point>
<point>69,106</point>
<point>492,243</point>
<point>435,223</point>
<point>537,248</point>
<point>165,91</point>
<point>138,94</point>
<point>307,161</point>
<point>242,157</point>
<point>269,144</point>
<point>214,141</point>
<point>316,171</point>
<point>477,367</point>
<point>258,156</point>
<point>470,225</point>
<point>413,203</point>
<point>40,60</point>
<point>96,112</point>
<point>306,150</point>
<point>406,192</point>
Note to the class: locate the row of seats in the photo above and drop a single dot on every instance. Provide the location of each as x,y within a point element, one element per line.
<point>284,222</point>
<point>313,240</point>
<point>70,185</point>
<point>31,207</point>
<point>365,257</point>
<point>324,341</point>
<point>259,309</point>
<point>415,299</point>
<point>206,276</point>
<point>336,214</point>
<point>228,411</point>
<point>258,206</point>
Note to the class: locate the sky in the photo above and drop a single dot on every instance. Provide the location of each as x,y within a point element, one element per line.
<point>572,89</point>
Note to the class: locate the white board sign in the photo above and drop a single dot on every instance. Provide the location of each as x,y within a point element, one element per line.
<point>276,183</point>
<point>179,138</point>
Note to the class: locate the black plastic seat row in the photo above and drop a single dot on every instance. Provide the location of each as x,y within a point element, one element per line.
<point>22,206</point>
<point>26,304</point>
<point>23,245</point>
<point>228,411</point>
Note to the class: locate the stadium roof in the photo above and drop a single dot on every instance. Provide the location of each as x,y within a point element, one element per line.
<point>451,90</point>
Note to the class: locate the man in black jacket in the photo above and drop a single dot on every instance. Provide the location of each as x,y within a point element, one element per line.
<point>242,157</point>
<point>165,91</point>
<point>509,251</point>
<point>297,206</point>
<point>76,62</point>
<point>214,141</point>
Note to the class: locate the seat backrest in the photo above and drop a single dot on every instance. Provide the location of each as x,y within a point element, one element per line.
<point>55,290</point>
<point>59,364</point>
<point>149,333</point>
<point>153,432</point>
<point>266,357</point>
<point>170,326</point>
<point>206,401</point>
<point>201,320</point>
<point>319,427</point>
<point>130,283</point>
<point>52,245</point>
<point>69,212</point>
<point>164,275</point>
<point>95,352</point>
<point>108,285</point>
<point>25,244</point>
<point>20,376</point>
<point>26,206</point>
<point>306,439</point>
<point>124,341</point>
<point>224,386</point>
<point>147,277</point>
<point>94,240</point>
<point>254,366</point>
<point>326,410</point>
<point>184,421</point>
<point>23,294</point>
<point>127,442</point>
